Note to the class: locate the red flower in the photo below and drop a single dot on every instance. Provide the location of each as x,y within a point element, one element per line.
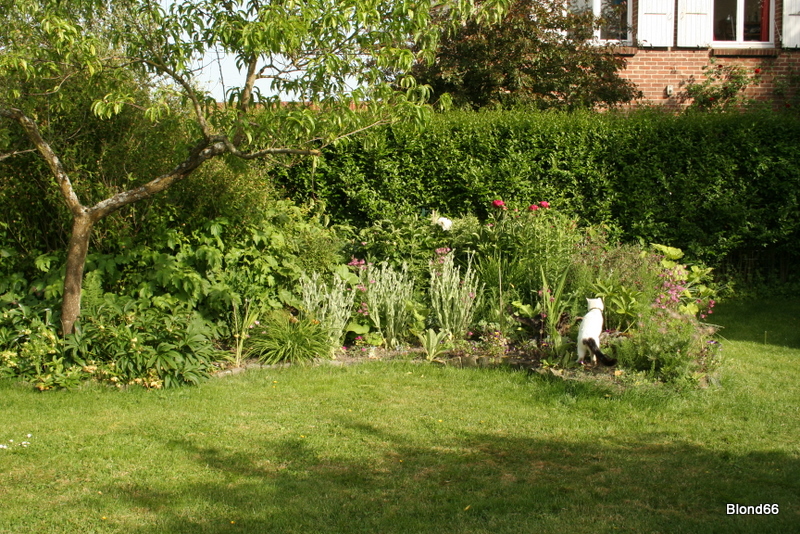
<point>533,207</point>
<point>757,71</point>
<point>544,204</point>
<point>499,204</point>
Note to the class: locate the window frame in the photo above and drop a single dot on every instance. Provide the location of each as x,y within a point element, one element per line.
<point>597,10</point>
<point>695,26</point>
<point>740,29</point>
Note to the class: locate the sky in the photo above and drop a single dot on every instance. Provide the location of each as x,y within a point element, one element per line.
<point>219,73</point>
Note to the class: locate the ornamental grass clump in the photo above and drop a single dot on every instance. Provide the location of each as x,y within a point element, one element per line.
<point>330,304</point>
<point>454,298</point>
<point>284,338</point>
<point>388,294</point>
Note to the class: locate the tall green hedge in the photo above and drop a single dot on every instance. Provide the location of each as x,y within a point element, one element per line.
<point>714,185</point>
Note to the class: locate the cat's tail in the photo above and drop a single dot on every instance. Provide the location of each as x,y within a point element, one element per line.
<point>592,344</point>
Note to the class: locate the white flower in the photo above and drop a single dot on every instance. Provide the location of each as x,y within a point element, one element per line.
<point>3,446</point>
<point>445,223</point>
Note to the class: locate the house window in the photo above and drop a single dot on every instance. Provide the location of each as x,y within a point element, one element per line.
<point>616,19</point>
<point>615,15</point>
<point>731,23</point>
<point>742,20</point>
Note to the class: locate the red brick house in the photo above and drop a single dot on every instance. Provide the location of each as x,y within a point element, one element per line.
<point>667,42</point>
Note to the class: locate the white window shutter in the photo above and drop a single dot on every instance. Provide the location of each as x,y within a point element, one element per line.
<point>695,25</point>
<point>791,23</point>
<point>656,23</point>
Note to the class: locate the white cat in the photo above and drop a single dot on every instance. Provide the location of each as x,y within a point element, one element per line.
<point>589,334</point>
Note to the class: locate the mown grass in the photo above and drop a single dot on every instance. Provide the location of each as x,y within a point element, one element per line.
<point>412,448</point>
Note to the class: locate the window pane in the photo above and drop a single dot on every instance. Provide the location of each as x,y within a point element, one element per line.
<point>615,18</point>
<point>756,20</point>
<point>724,20</point>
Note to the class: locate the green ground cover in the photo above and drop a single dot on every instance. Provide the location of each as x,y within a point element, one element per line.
<point>401,447</point>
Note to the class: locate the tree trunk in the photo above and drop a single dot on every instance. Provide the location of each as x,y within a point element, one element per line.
<point>73,278</point>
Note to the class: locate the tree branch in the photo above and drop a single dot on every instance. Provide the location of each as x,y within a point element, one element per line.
<point>16,153</point>
<point>190,92</point>
<point>56,167</point>
<point>202,152</point>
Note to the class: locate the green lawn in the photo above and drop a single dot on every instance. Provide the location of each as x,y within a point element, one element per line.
<point>413,448</point>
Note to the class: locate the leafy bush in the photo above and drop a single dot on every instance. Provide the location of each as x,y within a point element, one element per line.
<point>517,250</point>
<point>722,89</point>
<point>670,346</point>
<point>540,55</point>
<point>716,185</point>
<point>155,308</point>
<point>627,277</point>
<point>408,239</point>
<point>123,341</point>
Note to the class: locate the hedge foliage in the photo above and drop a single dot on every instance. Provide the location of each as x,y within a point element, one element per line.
<point>713,184</point>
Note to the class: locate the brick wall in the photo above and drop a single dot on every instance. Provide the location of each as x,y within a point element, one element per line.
<point>652,70</point>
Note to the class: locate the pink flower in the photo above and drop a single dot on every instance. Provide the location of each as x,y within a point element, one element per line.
<point>499,204</point>
<point>545,204</point>
<point>533,207</point>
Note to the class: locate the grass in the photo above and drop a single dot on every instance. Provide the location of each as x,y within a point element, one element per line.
<point>414,448</point>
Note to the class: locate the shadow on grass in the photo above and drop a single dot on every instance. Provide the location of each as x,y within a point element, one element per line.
<point>474,483</point>
<point>773,322</point>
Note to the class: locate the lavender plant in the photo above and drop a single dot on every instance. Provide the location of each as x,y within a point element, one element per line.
<point>388,293</point>
<point>330,304</point>
<point>454,298</point>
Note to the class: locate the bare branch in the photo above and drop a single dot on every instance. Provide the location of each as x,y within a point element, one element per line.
<point>16,153</point>
<point>190,92</point>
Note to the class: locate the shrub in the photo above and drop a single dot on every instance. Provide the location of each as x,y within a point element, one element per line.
<point>156,340</point>
<point>119,340</point>
<point>407,239</point>
<point>627,277</point>
<point>518,249</point>
<point>669,346</point>
<point>716,185</point>
<point>721,90</point>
